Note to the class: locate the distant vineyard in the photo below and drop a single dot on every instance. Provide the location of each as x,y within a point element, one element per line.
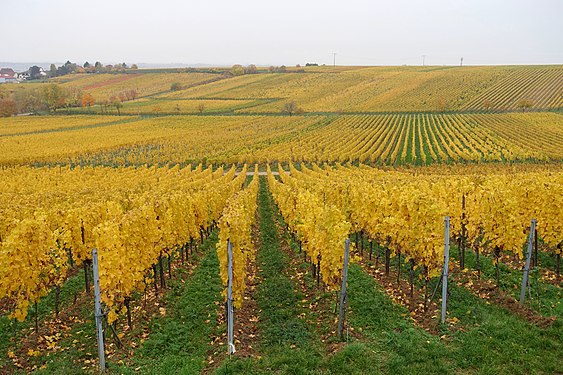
<point>354,89</point>
<point>393,139</point>
<point>103,86</point>
<point>395,89</point>
<point>425,139</point>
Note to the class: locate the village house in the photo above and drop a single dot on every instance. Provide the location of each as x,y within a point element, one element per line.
<point>7,75</point>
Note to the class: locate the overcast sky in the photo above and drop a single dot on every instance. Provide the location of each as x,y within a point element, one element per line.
<point>225,32</point>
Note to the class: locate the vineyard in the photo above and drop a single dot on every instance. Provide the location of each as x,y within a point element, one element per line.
<point>393,139</point>
<point>403,220</point>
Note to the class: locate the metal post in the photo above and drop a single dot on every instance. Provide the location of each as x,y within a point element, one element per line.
<point>230,312</point>
<point>528,259</point>
<point>98,311</point>
<point>343,296</point>
<point>446,264</point>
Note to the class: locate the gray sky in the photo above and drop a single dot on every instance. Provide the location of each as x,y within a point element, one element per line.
<point>225,32</point>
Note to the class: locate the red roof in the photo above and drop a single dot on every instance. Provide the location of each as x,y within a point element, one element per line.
<point>7,72</point>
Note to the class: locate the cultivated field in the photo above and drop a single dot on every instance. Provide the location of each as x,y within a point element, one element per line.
<point>202,164</point>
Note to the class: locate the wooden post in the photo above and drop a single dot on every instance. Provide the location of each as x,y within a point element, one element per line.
<point>477,262</point>
<point>318,269</point>
<point>398,265</point>
<point>169,266</point>
<point>86,282</point>
<point>446,263</point>
<point>463,233</point>
<point>161,272</point>
<point>387,259</point>
<point>343,296</point>
<point>57,299</point>
<point>558,259</point>
<point>528,259</point>
<point>535,248</point>
<point>425,275</point>
<point>497,259</point>
<point>230,310</point>
<point>98,312</point>
<point>411,280</point>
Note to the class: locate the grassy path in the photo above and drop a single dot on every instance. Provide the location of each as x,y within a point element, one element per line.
<point>170,336</point>
<point>19,337</point>
<point>546,299</point>
<point>482,337</point>
<point>179,341</point>
<point>392,344</point>
<point>288,344</point>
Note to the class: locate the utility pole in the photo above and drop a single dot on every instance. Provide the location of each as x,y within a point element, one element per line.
<point>461,64</point>
<point>334,59</point>
<point>423,59</point>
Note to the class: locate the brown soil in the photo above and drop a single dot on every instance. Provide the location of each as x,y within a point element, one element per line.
<point>246,333</point>
<point>47,339</point>
<point>548,275</point>
<point>487,290</point>
<point>54,330</point>
<point>322,308</point>
<point>149,306</point>
<point>399,292</point>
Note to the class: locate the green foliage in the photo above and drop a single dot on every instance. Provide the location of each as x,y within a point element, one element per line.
<point>176,86</point>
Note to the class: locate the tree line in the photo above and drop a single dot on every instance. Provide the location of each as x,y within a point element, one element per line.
<point>51,97</point>
<point>35,72</point>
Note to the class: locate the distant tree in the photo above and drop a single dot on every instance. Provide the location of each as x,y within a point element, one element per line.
<point>134,67</point>
<point>525,104</point>
<point>291,108</point>
<point>99,67</point>
<point>35,72</point>
<point>54,96</point>
<point>86,65</point>
<point>53,70</point>
<point>124,66</point>
<point>122,96</point>
<point>73,97</point>
<point>131,94</point>
<point>90,69</point>
<point>87,100</point>
<point>277,69</point>
<point>201,108</point>
<point>114,101</point>
<point>67,68</point>
<point>103,103</point>
<point>28,100</point>
<point>176,86</point>
<point>298,66</point>
<point>237,70</point>
<point>251,69</point>
<point>8,107</point>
